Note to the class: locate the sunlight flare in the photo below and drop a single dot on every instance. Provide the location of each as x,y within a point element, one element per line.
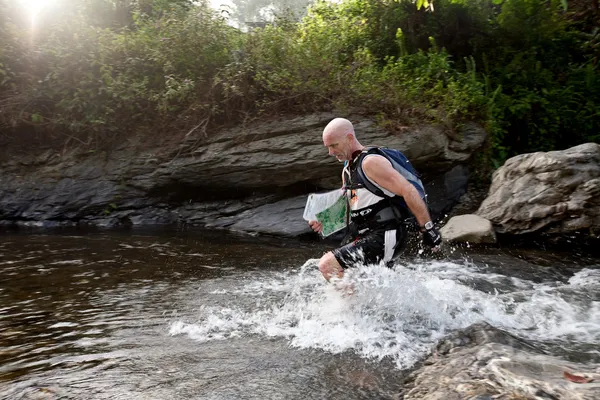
<point>34,7</point>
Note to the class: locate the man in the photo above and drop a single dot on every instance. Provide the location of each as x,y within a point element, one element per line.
<point>377,231</point>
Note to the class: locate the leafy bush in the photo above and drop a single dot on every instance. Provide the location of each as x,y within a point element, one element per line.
<point>526,69</point>
<point>328,61</point>
<point>102,81</point>
<point>550,91</point>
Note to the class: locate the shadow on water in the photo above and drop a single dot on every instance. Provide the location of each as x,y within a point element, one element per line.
<point>156,315</point>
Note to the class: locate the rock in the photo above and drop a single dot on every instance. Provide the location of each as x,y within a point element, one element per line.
<point>288,152</point>
<point>444,190</point>
<point>557,192</point>
<point>468,228</point>
<point>482,362</point>
<point>216,181</point>
<point>279,218</point>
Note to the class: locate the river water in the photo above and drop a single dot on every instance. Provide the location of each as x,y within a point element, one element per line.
<point>172,315</point>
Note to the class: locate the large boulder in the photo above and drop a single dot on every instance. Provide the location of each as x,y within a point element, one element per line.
<point>482,362</point>
<point>468,228</point>
<point>553,192</point>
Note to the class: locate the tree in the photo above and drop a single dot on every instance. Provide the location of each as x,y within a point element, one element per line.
<point>267,10</point>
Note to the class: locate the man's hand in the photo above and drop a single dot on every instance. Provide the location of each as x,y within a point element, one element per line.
<point>432,237</point>
<point>316,226</point>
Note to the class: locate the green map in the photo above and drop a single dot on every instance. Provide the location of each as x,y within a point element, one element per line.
<point>334,217</point>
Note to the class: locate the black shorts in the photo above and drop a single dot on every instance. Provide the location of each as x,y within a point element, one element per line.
<point>374,246</point>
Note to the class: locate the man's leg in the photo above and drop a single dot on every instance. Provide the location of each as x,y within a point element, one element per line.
<point>398,247</point>
<point>330,267</point>
<point>365,250</point>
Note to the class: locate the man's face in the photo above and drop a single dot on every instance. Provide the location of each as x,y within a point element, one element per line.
<point>337,146</point>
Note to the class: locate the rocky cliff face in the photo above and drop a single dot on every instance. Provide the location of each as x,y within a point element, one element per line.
<point>251,178</point>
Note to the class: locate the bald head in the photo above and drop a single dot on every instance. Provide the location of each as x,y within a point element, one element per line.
<point>337,128</point>
<point>340,139</point>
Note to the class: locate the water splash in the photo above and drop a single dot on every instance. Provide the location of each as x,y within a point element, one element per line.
<point>400,312</point>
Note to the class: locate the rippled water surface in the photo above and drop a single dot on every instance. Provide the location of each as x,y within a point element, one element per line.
<point>212,316</point>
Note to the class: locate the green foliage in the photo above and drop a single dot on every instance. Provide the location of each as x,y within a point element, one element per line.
<point>328,61</point>
<point>538,69</point>
<point>257,11</point>
<point>431,88</point>
<point>98,81</point>
<point>526,69</point>
<point>550,90</point>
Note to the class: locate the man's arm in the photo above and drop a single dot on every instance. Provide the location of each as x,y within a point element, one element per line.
<point>380,171</point>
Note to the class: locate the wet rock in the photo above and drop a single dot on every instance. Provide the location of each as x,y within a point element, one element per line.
<point>483,362</point>
<point>284,153</point>
<point>444,190</point>
<point>280,218</point>
<point>468,228</point>
<point>557,192</point>
<point>216,181</point>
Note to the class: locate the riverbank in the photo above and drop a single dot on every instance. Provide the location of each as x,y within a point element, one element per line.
<point>252,178</point>
<point>255,179</point>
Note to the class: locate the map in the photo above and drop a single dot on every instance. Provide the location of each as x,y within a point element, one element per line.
<point>329,209</point>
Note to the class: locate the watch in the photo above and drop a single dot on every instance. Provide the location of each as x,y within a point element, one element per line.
<point>428,225</point>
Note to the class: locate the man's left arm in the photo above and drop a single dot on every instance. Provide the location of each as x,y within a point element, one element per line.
<point>380,171</point>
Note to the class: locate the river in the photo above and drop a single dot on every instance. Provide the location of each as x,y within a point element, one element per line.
<point>181,315</point>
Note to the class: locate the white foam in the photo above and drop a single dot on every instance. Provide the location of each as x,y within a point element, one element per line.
<point>67,262</point>
<point>63,325</point>
<point>586,277</point>
<point>398,313</point>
